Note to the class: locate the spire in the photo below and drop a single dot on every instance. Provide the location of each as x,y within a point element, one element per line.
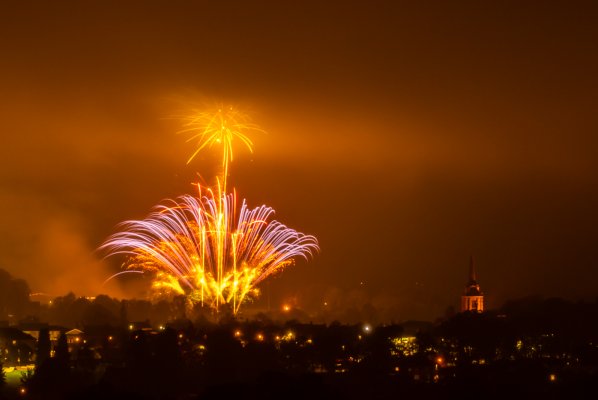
<point>473,298</point>
<point>472,277</point>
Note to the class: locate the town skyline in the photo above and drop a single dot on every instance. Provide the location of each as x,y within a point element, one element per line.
<point>404,137</point>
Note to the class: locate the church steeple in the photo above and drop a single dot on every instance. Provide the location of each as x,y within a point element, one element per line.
<point>473,298</point>
<point>472,277</point>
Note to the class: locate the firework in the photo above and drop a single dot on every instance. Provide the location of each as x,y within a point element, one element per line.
<point>204,248</point>
<point>219,127</point>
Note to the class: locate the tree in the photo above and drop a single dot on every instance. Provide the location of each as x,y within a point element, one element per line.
<point>43,347</point>
<point>51,379</point>
<point>2,376</point>
<point>14,295</point>
<point>62,352</point>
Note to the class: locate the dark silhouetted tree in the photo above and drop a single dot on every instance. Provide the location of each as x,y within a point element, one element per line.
<point>14,296</point>
<point>61,310</point>
<point>51,379</point>
<point>123,314</point>
<point>2,376</point>
<point>62,352</point>
<point>224,356</point>
<point>328,343</point>
<point>43,347</point>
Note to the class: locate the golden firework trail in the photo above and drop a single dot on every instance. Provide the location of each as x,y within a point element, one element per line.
<point>219,127</point>
<point>203,247</point>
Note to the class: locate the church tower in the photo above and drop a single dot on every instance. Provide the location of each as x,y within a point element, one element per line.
<point>473,298</point>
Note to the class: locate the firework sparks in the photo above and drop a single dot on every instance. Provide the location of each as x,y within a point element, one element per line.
<point>219,127</point>
<point>202,247</point>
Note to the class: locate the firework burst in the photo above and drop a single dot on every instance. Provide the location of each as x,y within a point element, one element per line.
<point>210,255</point>
<point>203,247</point>
<point>220,127</point>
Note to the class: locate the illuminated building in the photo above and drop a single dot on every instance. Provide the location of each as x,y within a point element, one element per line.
<point>473,298</point>
<point>74,337</point>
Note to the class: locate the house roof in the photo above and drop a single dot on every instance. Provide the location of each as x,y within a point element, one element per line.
<point>14,334</point>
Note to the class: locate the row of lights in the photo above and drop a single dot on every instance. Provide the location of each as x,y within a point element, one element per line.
<point>260,336</point>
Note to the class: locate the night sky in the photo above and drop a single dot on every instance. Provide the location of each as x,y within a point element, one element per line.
<point>405,137</point>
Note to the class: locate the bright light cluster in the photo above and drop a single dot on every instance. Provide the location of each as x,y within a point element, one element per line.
<point>212,255</point>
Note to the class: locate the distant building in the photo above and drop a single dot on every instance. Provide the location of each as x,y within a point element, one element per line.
<point>473,298</point>
<point>74,336</point>
<point>34,327</point>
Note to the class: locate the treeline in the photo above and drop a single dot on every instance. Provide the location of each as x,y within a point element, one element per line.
<point>14,297</point>
<point>531,347</point>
